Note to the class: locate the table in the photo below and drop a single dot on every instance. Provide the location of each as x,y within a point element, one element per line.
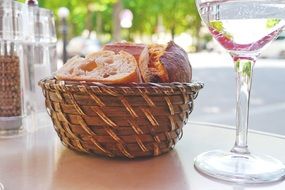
<point>38,161</point>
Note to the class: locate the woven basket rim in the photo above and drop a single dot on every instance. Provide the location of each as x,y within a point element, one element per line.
<point>194,85</point>
<point>132,89</point>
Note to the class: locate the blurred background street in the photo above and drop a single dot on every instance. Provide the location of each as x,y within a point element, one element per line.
<point>216,102</point>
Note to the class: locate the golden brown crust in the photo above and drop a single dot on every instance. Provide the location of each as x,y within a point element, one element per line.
<point>169,64</point>
<point>158,71</point>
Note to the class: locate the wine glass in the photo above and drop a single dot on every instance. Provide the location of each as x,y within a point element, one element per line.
<point>243,28</point>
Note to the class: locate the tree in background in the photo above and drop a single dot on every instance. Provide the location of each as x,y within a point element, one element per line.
<point>177,16</point>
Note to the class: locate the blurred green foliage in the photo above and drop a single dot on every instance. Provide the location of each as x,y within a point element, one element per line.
<point>178,15</point>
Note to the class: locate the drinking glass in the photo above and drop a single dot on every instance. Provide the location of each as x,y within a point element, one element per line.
<point>45,58</point>
<point>243,28</point>
<point>40,51</point>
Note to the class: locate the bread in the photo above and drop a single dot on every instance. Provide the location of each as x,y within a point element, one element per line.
<point>139,51</point>
<point>123,63</point>
<point>102,66</point>
<point>157,69</point>
<point>169,63</point>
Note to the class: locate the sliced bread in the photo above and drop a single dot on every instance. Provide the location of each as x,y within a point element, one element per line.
<point>139,51</point>
<point>103,66</point>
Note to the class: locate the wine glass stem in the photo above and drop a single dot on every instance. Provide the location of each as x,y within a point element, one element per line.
<point>244,69</point>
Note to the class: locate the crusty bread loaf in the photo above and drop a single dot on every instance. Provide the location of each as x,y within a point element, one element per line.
<point>169,63</point>
<point>123,63</point>
<point>102,66</point>
<point>139,51</point>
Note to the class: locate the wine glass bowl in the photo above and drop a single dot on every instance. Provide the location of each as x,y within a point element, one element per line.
<point>243,28</point>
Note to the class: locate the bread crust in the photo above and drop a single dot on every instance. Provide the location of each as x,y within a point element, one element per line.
<point>169,63</point>
<point>107,68</point>
<point>158,71</point>
<point>177,64</point>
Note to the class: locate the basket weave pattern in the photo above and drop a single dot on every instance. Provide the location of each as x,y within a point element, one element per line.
<point>130,121</point>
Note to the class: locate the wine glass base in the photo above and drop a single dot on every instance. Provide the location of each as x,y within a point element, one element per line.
<point>240,168</point>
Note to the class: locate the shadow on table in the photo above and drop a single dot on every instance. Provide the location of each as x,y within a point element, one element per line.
<point>78,171</point>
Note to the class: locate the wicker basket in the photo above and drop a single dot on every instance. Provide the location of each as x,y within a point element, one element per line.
<point>135,120</point>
